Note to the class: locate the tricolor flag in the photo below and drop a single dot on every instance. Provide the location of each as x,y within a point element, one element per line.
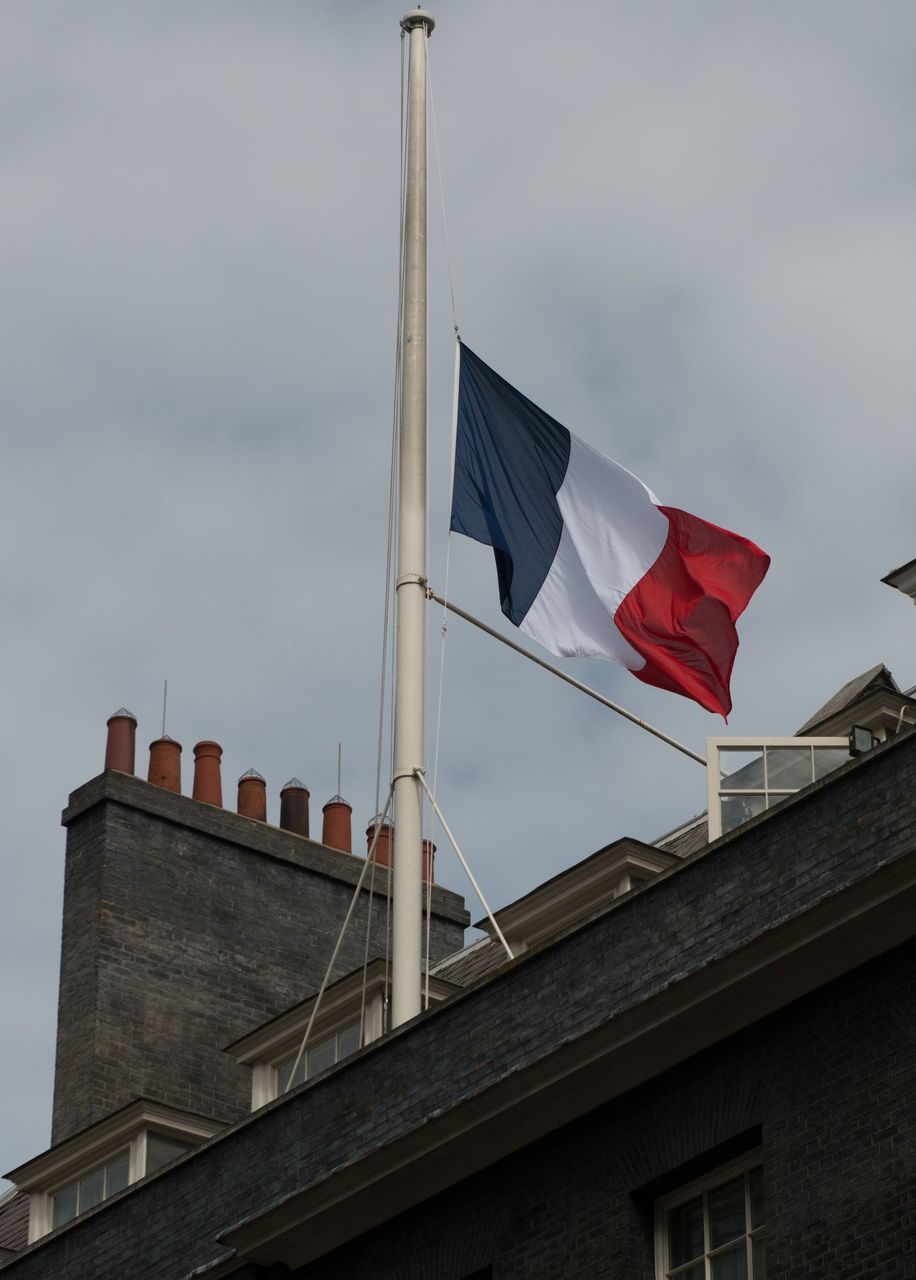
<point>590,563</point>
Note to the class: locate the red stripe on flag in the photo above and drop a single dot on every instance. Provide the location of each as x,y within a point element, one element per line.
<point>681,616</point>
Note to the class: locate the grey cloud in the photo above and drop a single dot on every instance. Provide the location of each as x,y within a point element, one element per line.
<point>685,230</point>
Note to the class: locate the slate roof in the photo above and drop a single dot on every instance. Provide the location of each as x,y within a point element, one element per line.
<point>868,682</point>
<point>14,1220</point>
<point>468,966</point>
<point>688,838</point>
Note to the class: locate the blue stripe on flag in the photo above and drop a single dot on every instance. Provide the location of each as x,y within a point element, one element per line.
<point>510,461</point>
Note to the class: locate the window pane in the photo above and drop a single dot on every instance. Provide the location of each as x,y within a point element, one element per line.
<point>788,768</point>
<point>760,1262</point>
<point>324,1055</point>
<point>160,1150</point>
<point>738,809</point>
<point>117,1174</point>
<point>726,1213</point>
<point>731,1265</point>
<point>696,1272</point>
<point>776,797</point>
<point>92,1190</point>
<point>826,759</point>
<point>64,1206</point>
<point>685,1232</point>
<point>348,1041</point>
<point>755,1178</point>
<point>283,1070</point>
<point>740,770</point>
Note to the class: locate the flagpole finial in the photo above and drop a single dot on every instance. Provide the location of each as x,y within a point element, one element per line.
<point>418,18</point>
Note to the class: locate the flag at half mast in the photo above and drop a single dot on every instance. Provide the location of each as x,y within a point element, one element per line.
<point>590,563</point>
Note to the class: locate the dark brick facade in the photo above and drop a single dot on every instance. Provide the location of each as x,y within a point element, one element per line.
<point>825,1089</point>
<point>184,927</point>
<point>826,1084</point>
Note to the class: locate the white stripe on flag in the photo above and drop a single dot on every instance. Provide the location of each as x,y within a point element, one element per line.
<point>612,534</point>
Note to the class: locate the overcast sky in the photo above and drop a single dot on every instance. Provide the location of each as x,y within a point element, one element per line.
<point>686,231</point>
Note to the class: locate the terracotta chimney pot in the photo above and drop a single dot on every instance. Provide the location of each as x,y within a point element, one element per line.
<point>429,861</point>
<point>165,764</point>
<point>383,847</point>
<point>208,786</point>
<point>294,808</point>
<point>336,826</point>
<point>120,749</point>
<point>252,801</point>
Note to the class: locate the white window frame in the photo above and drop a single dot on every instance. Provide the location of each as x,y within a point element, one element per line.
<point>41,1209</point>
<point>714,747</point>
<point>267,1047</point>
<point>723,1173</point>
<point>98,1166</point>
<point>264,1074</point>
<point>85,1153</point>
<point>317,1038</point>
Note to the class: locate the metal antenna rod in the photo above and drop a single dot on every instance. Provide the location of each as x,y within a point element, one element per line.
<point>338,767</point>
<point>407,878</point>
<point>165,695</point>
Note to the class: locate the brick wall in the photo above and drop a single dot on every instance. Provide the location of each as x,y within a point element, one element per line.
<point>826,1088</point>
<point>184,927</point>
<point>829,1081</point>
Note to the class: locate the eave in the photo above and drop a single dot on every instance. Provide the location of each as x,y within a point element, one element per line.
<point>904,579</point>
<point>340,999</point>
<point>105,1134</point>
<point>574,895</point>
<point>880,709</point>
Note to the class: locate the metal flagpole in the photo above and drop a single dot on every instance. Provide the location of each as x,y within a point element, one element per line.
<point>407,878</point>
<point>556,671</point>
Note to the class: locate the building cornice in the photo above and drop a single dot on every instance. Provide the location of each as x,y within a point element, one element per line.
<point>340,998</point>
<point>74,1152</point>
<point>572,896</point>
<point>904,579</point>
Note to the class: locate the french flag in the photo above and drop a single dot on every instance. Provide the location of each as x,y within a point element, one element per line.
<point>590,563</point>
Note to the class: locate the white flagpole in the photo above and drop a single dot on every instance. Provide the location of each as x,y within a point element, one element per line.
<point>407,877</point>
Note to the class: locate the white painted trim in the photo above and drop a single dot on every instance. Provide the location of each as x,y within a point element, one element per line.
<point>41,1203</point>
<point>269,1046</point>
<point>743,1164</point>
<point>714,746</point>
<point>138,1156</point>
<point>264,1088</point>
<point>577,894</point>
<point>73,1158</point>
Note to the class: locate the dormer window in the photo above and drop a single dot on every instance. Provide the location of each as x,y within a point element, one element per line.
<point>575,895</point>
<point>90,1190</point>
<point>747,776</point>
<point>86,1170</point>
<point>353,1009</point>
<point>322,1055</point>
